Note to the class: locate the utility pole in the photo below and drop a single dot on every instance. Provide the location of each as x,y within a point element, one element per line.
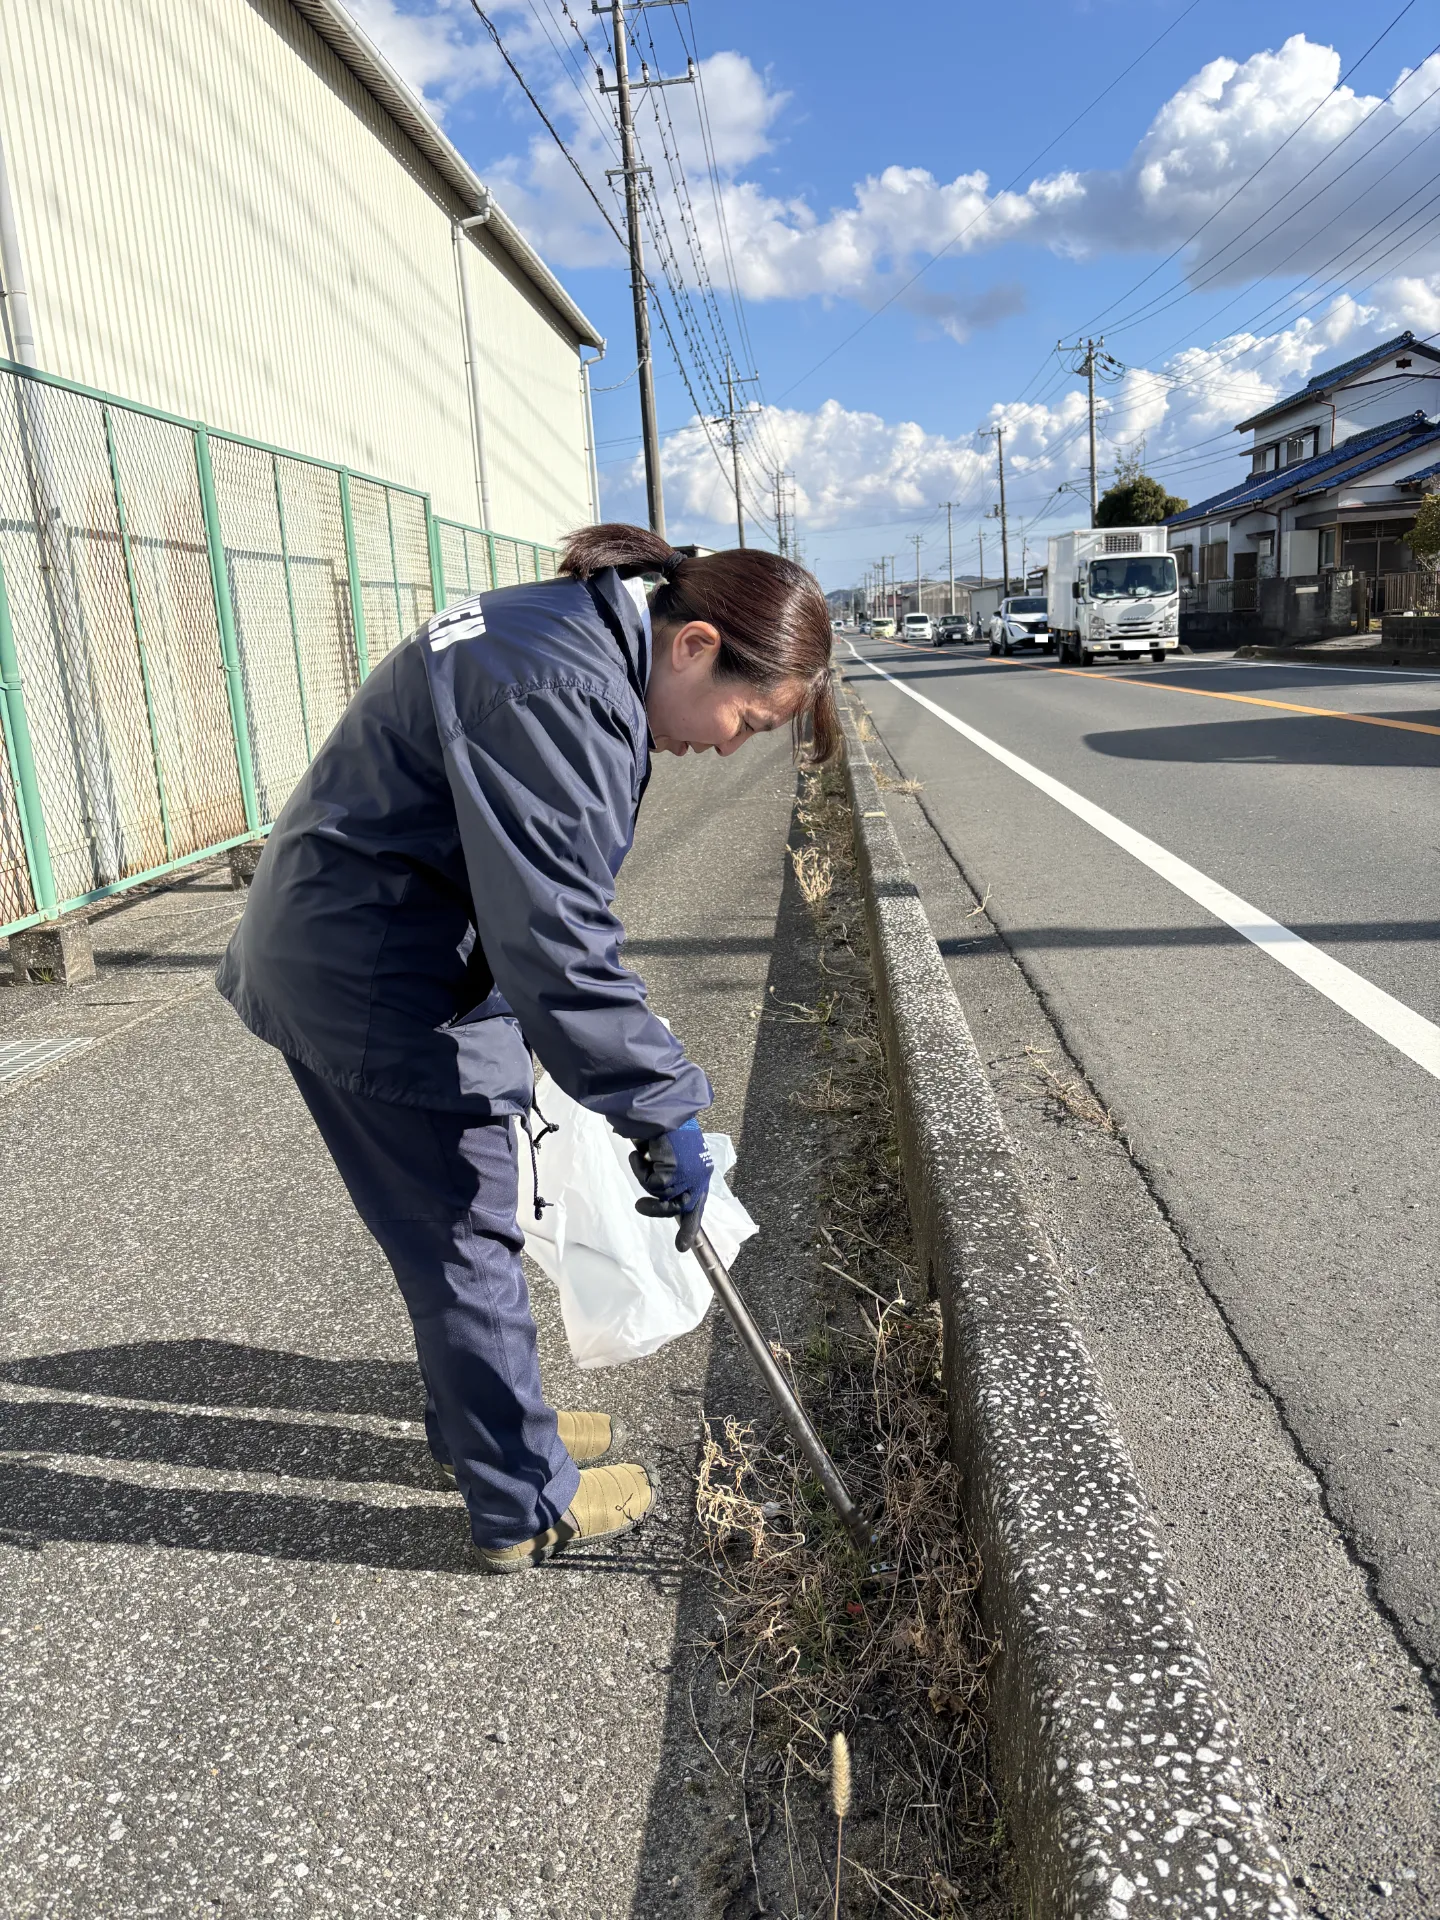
<point>998,434</point>
<point>782,523</point>
<point>916,540</point>
<point>982,556</point>
<point>1091,355</point>
<point>950,545</point>
<point>631,170</point>
<point>731,422</point>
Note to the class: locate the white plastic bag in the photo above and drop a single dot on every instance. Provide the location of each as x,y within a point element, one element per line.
<point>624,1290</point>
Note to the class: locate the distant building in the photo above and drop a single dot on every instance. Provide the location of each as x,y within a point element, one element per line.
<point>1335,475</point>
<point>235,210</point>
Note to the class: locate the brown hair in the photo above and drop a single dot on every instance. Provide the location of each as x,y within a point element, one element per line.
<point>772,618</point>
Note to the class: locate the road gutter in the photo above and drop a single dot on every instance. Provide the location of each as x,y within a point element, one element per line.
<point>1118,1765</point>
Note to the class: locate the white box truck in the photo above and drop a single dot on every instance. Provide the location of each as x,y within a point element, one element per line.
<point>1113,590</point>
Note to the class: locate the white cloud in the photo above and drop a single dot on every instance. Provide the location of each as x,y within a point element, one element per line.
<point>1331,202</point>
<point>1322,199</point>
<point>1318,198</point>
<point>855,470</point>
<point>435,49</point>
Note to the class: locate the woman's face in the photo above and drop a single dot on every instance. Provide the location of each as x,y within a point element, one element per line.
<point>690,709</point>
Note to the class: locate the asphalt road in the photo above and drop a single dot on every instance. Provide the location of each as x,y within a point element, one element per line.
<point>246,1666</point>
<point>1290,1149</point>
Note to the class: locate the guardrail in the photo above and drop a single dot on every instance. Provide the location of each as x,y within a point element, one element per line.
<point>184,613</point>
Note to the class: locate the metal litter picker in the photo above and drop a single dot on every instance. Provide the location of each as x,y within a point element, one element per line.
<point>781,1392</point>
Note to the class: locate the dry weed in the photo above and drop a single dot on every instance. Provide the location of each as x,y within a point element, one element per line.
<point>818,1637</point>
<point>887,783</point>
<point>1072,1095</point>
<point>814,872</point>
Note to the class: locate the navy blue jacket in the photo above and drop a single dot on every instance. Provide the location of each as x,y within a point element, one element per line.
<point>441,881</point>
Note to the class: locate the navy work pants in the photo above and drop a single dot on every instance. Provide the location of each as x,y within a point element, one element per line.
<point>439,1192</point>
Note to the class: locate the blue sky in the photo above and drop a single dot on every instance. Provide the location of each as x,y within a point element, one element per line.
<point>852,145</point>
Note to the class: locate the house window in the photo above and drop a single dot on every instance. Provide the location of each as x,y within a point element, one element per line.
<point>1182,561</point>
<point>1264,545</point>
<point>1300,446</point>
<point>1264,459</point>
<point>1327,548</point>
<point>1215,560</point>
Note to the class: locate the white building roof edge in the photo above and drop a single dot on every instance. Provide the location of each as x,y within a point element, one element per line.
<point>339,31</point>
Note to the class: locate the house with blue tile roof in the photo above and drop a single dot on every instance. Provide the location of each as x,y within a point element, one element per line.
<point>1334,475</point>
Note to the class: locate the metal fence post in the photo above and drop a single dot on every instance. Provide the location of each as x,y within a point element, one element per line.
<point>225,620</point>
<point>437,563</point>
<point>490,550</point>
<point>352,567</point>
<point>133,588</point>
<point>535,560</point>
<point>394,570</point>
<point>290,602</point>
<point>22,761</point>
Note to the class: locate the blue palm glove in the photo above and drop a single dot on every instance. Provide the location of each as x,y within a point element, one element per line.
<point>674,1169</point>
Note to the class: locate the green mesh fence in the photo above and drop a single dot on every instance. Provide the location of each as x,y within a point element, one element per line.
<point>183,617</point>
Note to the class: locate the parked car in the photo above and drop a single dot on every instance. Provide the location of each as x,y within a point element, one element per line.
<point>952,627</point>
<point>863,626</point>
<point>883,628</point>
<point>919,627</point>
<point>1022,621</point>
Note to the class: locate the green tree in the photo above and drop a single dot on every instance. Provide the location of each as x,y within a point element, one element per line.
<point>1135,500</point>
<point>1423,539</point>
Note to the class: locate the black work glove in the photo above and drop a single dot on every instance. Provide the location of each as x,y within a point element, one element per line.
<point>674,1169</point>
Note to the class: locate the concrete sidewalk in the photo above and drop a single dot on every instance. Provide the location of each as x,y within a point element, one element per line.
<point>247,1669</point>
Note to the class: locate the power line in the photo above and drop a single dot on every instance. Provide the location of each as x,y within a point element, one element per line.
<point>955,238</point>
<point>1250,178</point>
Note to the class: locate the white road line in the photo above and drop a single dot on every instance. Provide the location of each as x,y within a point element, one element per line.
<point>1305,666</point>
<point>1407,1031</point>
<point>19,1057</point>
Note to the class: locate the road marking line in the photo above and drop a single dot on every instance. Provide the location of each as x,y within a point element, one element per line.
<point>1408,1032</point>
<point>1214,693</point>
<point>1319,666</point>
<point>19,1057</point>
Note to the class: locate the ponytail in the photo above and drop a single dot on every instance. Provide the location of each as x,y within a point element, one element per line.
<point>772,618</point>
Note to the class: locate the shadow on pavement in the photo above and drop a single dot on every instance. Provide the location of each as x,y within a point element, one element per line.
<point>308,1451</point>
<point>41,1504</point>
<point>52,1498</point>
<point>1298,740</point>
<point>220,1373</point>
<point>1320,933</point>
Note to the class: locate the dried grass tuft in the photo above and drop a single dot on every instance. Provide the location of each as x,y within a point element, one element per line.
<point>819,1637</point>
<point>887,783</point>
<point>815,874</point>
<point>1070,1095</point>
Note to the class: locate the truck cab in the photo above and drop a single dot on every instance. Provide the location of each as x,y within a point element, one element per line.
<point>1114,591</point>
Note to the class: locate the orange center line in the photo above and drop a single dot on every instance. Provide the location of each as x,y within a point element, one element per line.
<point>1245,699</point>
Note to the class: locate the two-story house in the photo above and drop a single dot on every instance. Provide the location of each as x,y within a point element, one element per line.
<point>1334,475</point>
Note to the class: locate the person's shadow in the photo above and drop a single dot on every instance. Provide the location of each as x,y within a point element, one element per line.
<point>379,1499</point>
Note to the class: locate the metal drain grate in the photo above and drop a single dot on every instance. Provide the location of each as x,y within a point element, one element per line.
<point>19,1057</point>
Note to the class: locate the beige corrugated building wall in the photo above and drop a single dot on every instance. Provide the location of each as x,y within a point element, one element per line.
<point>233,210</point>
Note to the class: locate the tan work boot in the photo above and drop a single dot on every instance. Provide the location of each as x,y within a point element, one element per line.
<point>608,1501</point>
<point>585,1437</point>
<point>588,1437</point>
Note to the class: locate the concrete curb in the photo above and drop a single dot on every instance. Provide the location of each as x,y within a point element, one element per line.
<point>1382,656</point>
<point>1119,1768</point>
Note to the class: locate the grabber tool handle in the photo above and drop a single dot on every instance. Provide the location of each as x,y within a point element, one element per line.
<point>782,1393</point>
